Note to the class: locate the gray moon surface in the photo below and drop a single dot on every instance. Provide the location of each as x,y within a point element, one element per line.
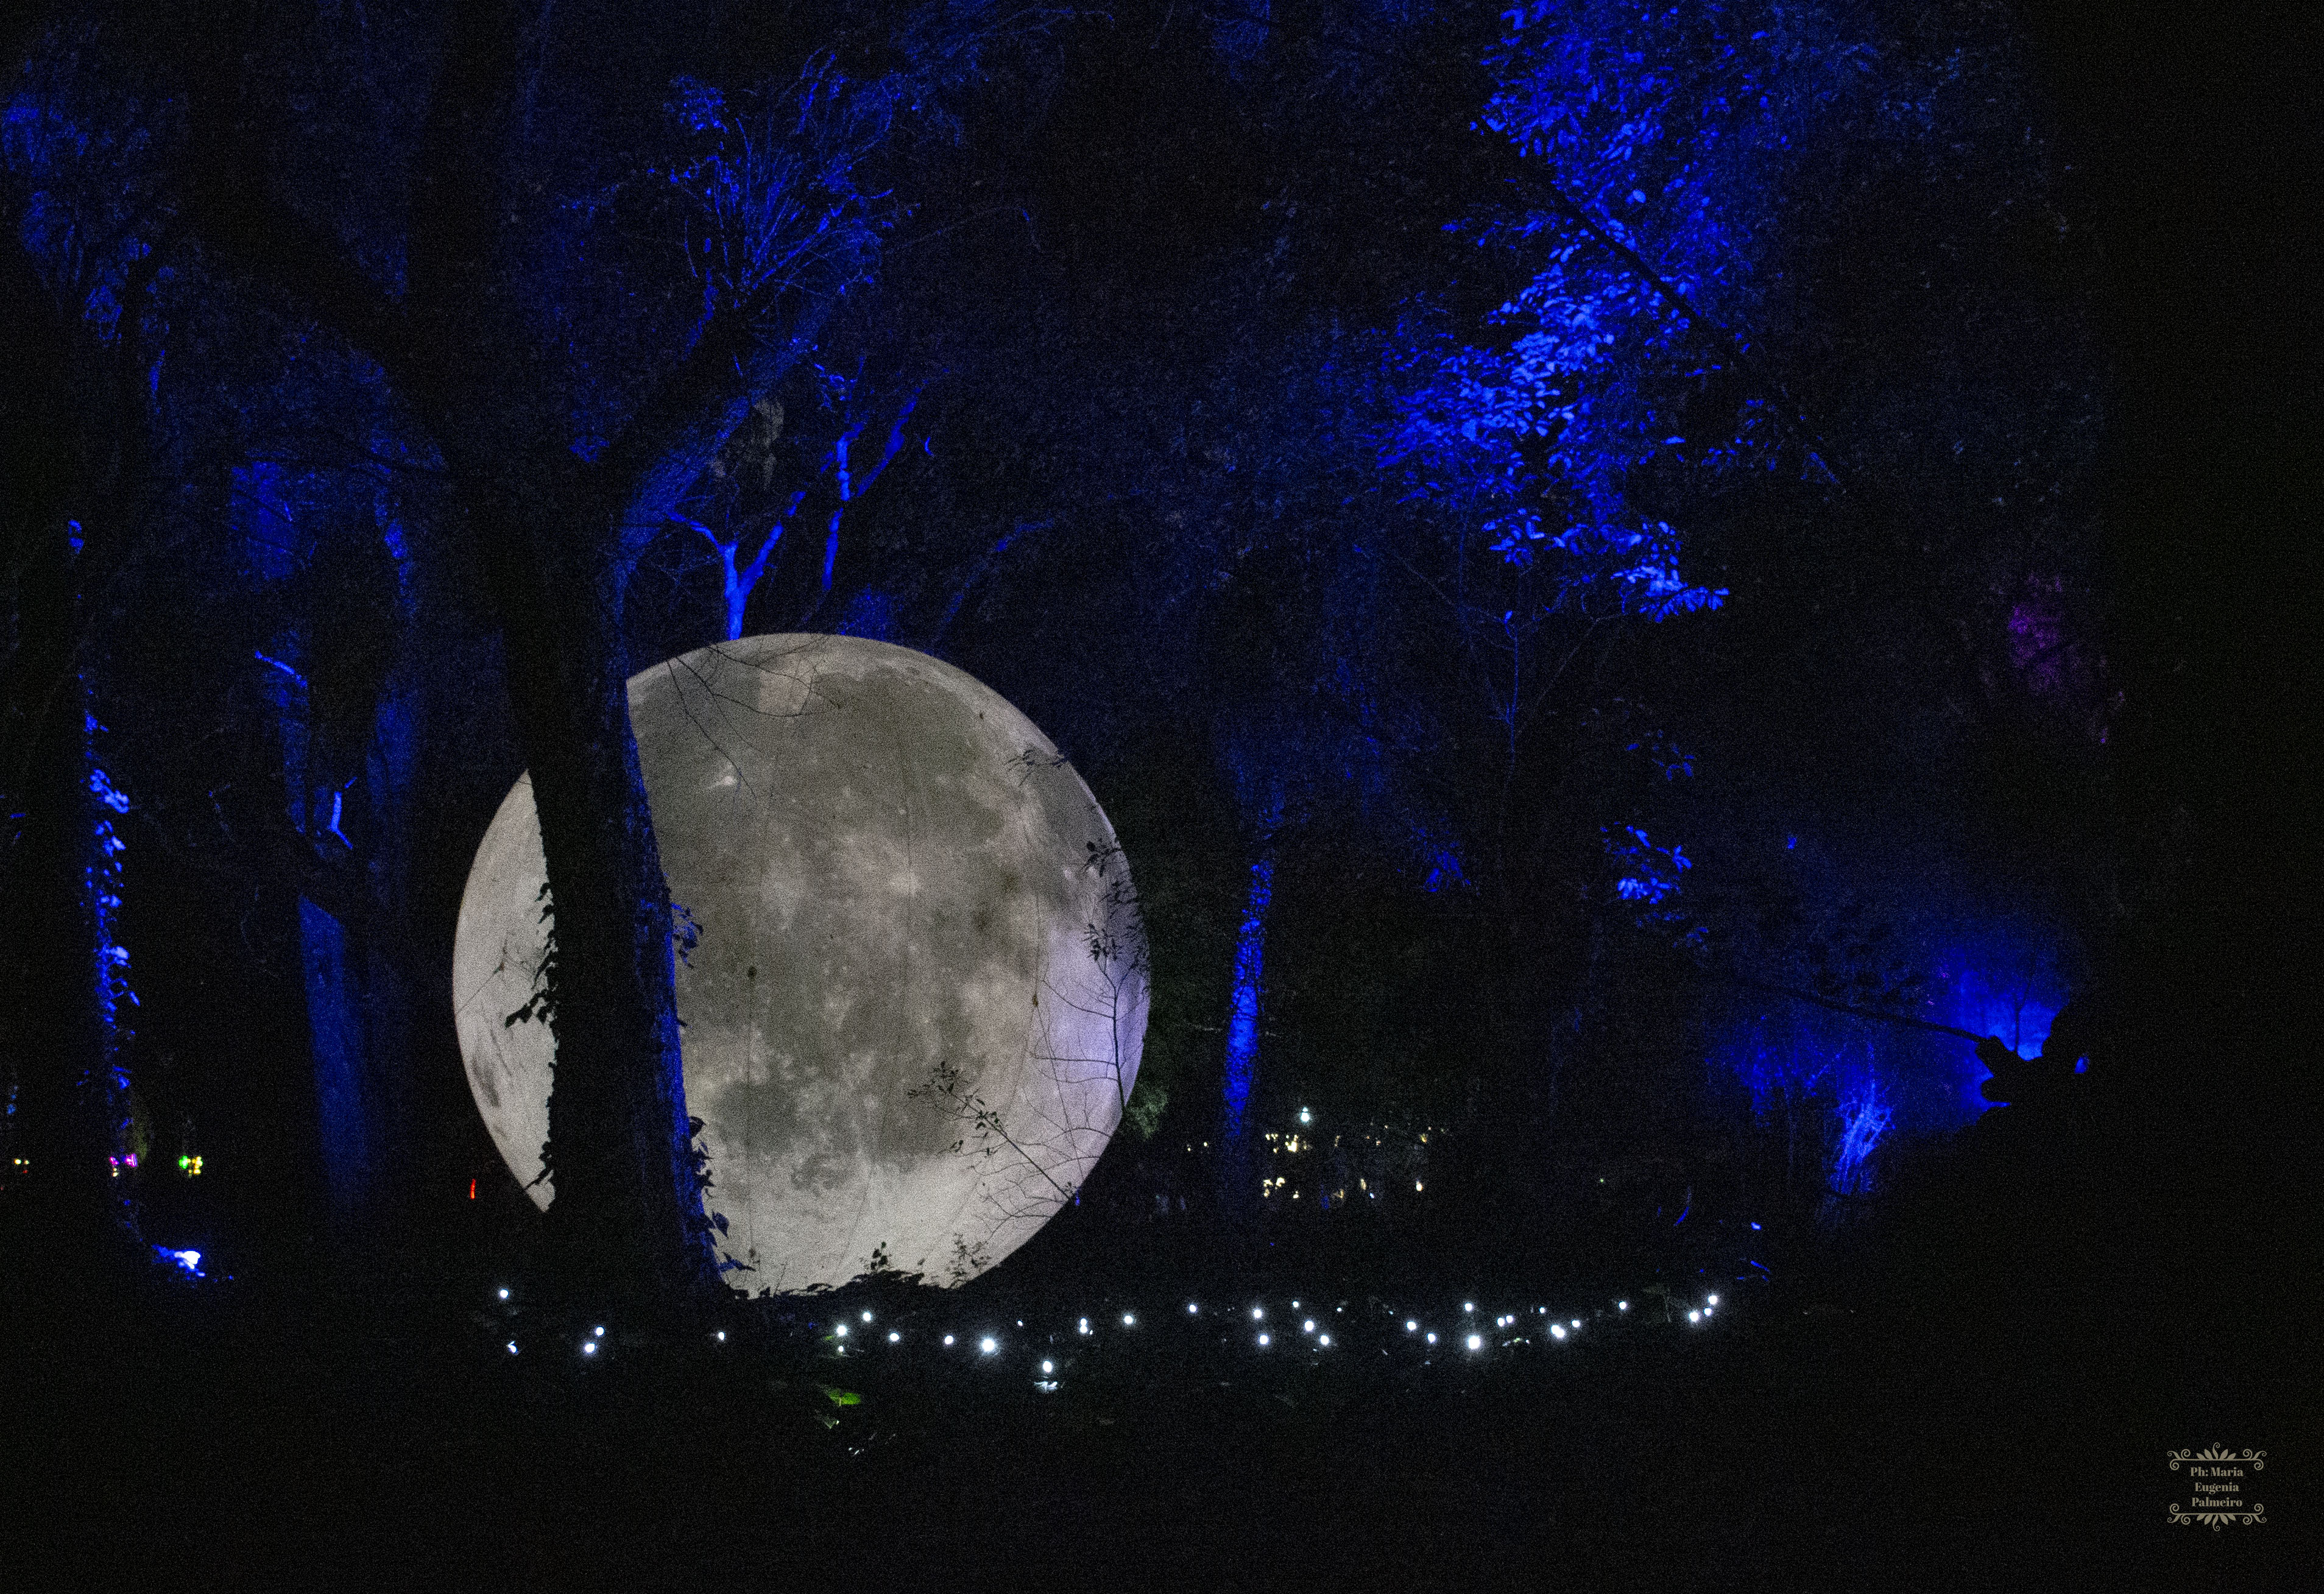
<point>901,887</point>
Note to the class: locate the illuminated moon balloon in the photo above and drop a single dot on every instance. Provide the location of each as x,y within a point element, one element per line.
<point>915,1010</point>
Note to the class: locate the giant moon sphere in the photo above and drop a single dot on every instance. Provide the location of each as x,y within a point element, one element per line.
<point>914,1011</point>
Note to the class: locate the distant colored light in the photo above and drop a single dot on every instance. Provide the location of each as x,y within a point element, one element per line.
<point>1476,1341</point>
<point>1754,1226</point>
<point>472,1183</point>
<point>988,1345</point>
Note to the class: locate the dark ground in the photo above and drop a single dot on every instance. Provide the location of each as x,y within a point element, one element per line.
<point>1990,1415</point>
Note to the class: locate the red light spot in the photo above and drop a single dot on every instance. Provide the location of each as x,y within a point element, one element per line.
<point>472,1190</point>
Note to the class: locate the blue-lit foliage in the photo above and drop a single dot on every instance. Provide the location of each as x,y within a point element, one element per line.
<point>1667,139</point>
<point>1864,1116</point>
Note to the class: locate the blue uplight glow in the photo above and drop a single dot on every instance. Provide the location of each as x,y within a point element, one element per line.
<point>1243,1016</point>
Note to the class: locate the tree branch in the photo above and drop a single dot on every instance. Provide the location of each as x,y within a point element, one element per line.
<point>670,442</point>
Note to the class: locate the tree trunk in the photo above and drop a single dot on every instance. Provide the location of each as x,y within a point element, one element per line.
<point>72,1089</point>
<point>628,1213</point>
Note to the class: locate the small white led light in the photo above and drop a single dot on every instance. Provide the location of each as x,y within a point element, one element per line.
<point>1555,1331</point>
<point>722,1336</point>
<point>600,1330</point>
<point>1257,1313</point>
<point>947,1339</point>
<point>1712,1299</point>
<point>503,1293</point>
<point>988,1346</point>
<point>588,1347</point>
<point>1577,1322</point>
<point>1432,1339</point>
<point>1192,1308</point>
<point>1411,1326</point>
<point>1308,1327</point>
<point>1262,1340</point>
<point>1048,1366</point>
<point>894,1338</point>
<point>1128,1320</point>
<point>1621,1306</point>
<point>867,1317</point>
<point>843,1331</point>
<point>1322,1338</point>
<point>1476,1341</point>
<point>1694,1317</point>
<point>511,1347</point>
